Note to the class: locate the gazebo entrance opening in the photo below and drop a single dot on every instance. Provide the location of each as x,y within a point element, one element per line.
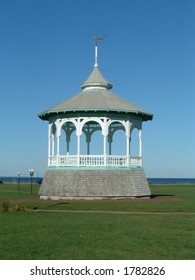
<point>92,139</point>
<point>91,142</point>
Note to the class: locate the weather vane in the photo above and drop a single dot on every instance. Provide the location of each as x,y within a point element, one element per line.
<point>97,38</point>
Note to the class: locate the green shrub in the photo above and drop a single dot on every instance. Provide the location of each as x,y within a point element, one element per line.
<point>5,206</point>
<point>19,208</point>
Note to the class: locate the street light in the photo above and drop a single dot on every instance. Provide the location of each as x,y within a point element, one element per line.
<point>19,181</point>
<point>31,171</point>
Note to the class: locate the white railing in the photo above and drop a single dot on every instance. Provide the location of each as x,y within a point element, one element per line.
<point>135,161</point>
<point>67,160</point>
<point>91,160</point>
<point>116,161</point>
<point>94,160</point>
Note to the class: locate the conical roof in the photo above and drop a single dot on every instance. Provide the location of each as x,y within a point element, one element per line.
<point>95,97</point>
<point>96,79</point>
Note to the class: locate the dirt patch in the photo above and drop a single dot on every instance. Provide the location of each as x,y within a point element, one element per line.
<point>107,200</point>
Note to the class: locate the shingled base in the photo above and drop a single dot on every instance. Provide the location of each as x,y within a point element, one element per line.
<point>94,184</point>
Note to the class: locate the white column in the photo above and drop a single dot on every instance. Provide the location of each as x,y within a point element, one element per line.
<point>53,144</point>
<point>58,133</point>
<point>78,149</point>
<point>140,145</point>
<point>105,150</point>
<point>127,128</point>
<point>105,133</point>
<point>128,149</point>
<point>58,144</point>
<point>49,144</point>
<point>78,133</point>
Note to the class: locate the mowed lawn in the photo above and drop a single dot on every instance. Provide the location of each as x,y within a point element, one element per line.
<point>159,228</point>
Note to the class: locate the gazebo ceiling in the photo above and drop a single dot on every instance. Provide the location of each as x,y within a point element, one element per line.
<point>96,97</point>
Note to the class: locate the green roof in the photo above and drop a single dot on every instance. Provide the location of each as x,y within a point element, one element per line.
<point>96,97</point>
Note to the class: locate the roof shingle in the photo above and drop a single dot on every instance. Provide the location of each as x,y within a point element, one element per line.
<point>96,97</point>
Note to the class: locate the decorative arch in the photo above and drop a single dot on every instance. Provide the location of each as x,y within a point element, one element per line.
<point>68,128</point>
<point>117,128</point>
<point>94,141</point>
<point>115,120</point>
<point>90,128</point>
<point>73,121</point>
<point>136,124</point>
<point>95,120</point>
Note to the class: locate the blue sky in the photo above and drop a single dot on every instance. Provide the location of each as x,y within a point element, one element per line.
<point>47,51</point>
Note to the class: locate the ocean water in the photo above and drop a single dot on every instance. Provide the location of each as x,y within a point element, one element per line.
<point>11,179</point>
<point>171,180</point>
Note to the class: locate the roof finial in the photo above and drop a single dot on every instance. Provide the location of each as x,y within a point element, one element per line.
<point>97,38</point>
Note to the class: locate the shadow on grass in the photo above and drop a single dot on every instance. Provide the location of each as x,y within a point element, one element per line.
<point>161,195</point>
<point>56,204</point>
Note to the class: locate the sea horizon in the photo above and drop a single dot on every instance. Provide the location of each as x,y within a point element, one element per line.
<point>151,180</point>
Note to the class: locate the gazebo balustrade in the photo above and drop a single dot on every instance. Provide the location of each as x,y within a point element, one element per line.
<point>95,160</point>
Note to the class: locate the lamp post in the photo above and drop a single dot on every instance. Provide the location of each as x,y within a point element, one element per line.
<point>31,171</point>
<point>19,181</point>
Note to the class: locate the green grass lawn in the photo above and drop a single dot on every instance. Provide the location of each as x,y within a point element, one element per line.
<point>166,233</point>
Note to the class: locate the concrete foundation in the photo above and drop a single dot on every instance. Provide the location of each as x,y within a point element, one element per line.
<point>94,184</point>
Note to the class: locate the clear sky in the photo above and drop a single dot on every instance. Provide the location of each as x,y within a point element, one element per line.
<point>47,51</point>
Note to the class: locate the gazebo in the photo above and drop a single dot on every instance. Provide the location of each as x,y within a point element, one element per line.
<point>76,171</point>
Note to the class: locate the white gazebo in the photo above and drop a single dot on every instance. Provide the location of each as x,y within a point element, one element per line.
<point>76,171</point>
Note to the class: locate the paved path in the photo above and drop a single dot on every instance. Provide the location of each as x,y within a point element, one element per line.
<point>114,212</point>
